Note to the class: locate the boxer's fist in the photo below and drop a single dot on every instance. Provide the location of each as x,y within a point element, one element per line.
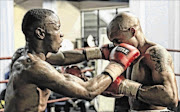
<point>124,86</point>
<point>76,71</point>
<point>98,53</point>
<point>124,54</point>
<point>115,85</point>
<point>106,50</point>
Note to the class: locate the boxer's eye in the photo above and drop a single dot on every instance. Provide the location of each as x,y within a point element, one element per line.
<point>29,60</point>
<point>116,41</point>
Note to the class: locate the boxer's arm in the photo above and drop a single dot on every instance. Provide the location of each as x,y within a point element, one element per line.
<point>46,76</point>
<point>66,57</point>
<point>164,93</point>
<point>79,55</point>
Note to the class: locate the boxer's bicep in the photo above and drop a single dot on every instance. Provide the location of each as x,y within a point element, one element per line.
<point>163,74</point>
<point>163,79</point>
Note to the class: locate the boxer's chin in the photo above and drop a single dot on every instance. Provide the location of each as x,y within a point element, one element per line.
<point>55,50</point>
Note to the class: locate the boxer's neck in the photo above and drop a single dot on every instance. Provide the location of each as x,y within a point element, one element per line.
<point>36,49</point>
<point>142,42</point>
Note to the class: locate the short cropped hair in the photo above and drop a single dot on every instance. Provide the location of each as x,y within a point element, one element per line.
<point>122,22</point>
<point>34,18</point>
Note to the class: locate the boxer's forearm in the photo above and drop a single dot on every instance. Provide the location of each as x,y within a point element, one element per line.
<point>66,57</point>
<point>74,56</point>
<point>158,95</point>
<point>97,85</point>
<point>94,86</point>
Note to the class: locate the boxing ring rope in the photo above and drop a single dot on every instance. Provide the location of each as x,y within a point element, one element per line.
<point>5,58</point>
<point>67,98</point>
<point>173,50</point>
<point>58,100</point>
<point>49,101</point>
<point>4,81</point>
<point>170,50</point>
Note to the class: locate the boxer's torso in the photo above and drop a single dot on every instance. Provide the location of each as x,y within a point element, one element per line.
<point>21,95</point>
<point>140,72</point>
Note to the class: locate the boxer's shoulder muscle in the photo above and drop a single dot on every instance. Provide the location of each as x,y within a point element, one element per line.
<point>159,61</point>
<point>21,65</point>
<point>158,56</point>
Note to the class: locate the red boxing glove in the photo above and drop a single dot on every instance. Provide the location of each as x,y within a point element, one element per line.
<point>114,87</point>
<point>106,50</point>
<point>124,54</point>
<point>74,70</point>
<point>124,86</point>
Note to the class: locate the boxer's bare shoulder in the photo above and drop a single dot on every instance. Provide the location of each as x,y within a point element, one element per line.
<point>21,64</point>
<point>158,58</point>
<point>19,86</point>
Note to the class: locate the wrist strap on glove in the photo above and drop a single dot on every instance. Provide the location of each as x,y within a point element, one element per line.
<point>114,69</point>
<point>106,73</point>
<point>92,53</point>
<point>129,88</point>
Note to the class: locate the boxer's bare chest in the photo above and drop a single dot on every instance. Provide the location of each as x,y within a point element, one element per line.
<point>25,95</point>
<point>140,72</point>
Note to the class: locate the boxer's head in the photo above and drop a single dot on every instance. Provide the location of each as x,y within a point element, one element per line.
<point>123,29</point>
<point>74,70</point>
<point>42,28</point>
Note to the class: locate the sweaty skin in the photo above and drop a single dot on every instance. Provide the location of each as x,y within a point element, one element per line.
<point>153,69</point>
<point>32,78</point>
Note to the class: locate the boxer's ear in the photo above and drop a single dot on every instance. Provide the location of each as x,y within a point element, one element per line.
<point>40,33</point>
<point>132,30</point>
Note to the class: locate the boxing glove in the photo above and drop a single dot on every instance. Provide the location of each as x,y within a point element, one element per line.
<point>124,86</point>
<point>76,71</point>
<point>92,53</point>
<point>115,85</point>
<point>106,50</point>
<point>124,54</point>
<point>120,58</point>
<point>98,53</point>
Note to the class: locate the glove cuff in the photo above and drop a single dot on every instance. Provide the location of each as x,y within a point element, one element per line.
<point>92,53</point>
<point>129,88</point>
<point>114,69</point>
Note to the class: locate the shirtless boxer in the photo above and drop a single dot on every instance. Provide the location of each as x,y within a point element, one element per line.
<point>32,77</point>
<point>152,74</point>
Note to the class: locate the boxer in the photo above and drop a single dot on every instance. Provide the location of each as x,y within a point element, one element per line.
<point>151,83</point>
<point>32,77</point>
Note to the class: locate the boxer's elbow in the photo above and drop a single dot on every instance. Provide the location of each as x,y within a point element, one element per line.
<point>172,102</point>
<point>91,93</point>
<point>171,99</point>
<point>91,96</point>
<point>175,102</point>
